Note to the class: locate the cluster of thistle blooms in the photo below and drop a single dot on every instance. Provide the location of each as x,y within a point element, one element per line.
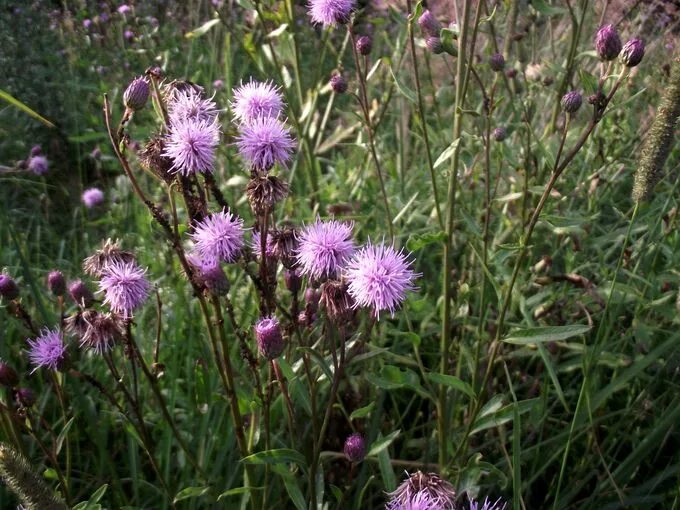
<point>97,325</point>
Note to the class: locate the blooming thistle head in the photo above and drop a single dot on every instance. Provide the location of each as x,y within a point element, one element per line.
<point>355,447</point>
<point>257,99</point>
<point>191,104</point>
<point>8,287</point>
<point>219,237</point>
<point>499,504</point>
<point>124,9</point>
<point>324,248</point>
<point>125,287</point>
<point>101,331</point>
<point>338,83</point>
<point>110,252</point>
<point>47,350</point>
<point>257,245</point>
<point>264,142</point>
<point>270,342</point>
<point>429,24</point>
<point>136,94</point>
<point>191,146</point>
<point>92,197</point>
<point>632,53</point>
<point>379,277</point>
<point>571,101</point>
<point>331,13</point>
<point>336,301</point>
<point>434,44</point>
<point>56,283</point>
<point>497,62</point>
<point>264,191</point>
<point>79,292</point>
<point>209,274</point>
<point>423,491</point>
<point>607,42</point>
<point>38,165</point>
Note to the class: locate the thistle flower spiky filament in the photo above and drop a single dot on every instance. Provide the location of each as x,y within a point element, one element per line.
<point>30,488</point>
<point>657,146</point>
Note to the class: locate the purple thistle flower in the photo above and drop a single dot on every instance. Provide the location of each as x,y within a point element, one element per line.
<point>257,245</point>
<point>81,294</point>
<point>265,142</point>
<point>124,9</point>
<point>125,287</point>
<point>338,84</point>
<point>270,342</point>
<point>189,104</point>
<point>257,99</point>
<point>35,150</point>
<point>379,277</point>
<point>92,197</point>
<point>499,504</point>
<point>47,350</point>
<point>191,146</point>
<point>129,34</point>
<point>429,24</point>
<point>324,247</point>
<point>420,501</point>
<point>632,53</point>
<point>330,13</point>
<point>355,447</point>
<point>571,101</point>
<point>422,491</point>
<point>218,84</point>
<point>136,94</point>
<point>434,44</point>
<point>8,287</point>
<point>219,237</point>
<point>38,165</point>
<point>56,283</point>
<point>607,42</point>
<point>209,274</point>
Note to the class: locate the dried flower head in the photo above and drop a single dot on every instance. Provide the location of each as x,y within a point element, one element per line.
<point>190,104</point>
<point>270,342</point>
<point>92,197</point>
<point>265,191</point>
<point>355,447</point>
<point>152,158</point>
<point>257,99</point>
<point>421,488</point>
<point>109,253</point>
<point>38,165</point>
<point>8,287</point>
<point>136,94</point>
<point>47,350</point>
<point>571,101</point>
<point>364,45</point>
<point>265,142</point>
<point>632,53</point>
<point>191,146</point>
<point>429,24</point>
<point>338,83</point>
<point>219,237</point>
<point>80,294</point>
<point>607,42</point>
<point>534,72</point>
<point>76,324</point>
<point>336,301</point>
<point>176,87</point>
<point>379,277</point>
<point>101,331</point>
<point>331,13</point>
<point>324,248</point>
<point>285,243</point>
<point>497,62</point>
<point>56,283</point>
<point>125,287</point>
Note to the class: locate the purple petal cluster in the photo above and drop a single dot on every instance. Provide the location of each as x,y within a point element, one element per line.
<point>265,142</point>
<point>355,447</point>
<point>324,248</point>
<point>190,104</point>
<point>420,501</point>
<point>379,277</point>
<point>607,42</point>
<point>219,237</point>
<point>270,342</point>
<point>92,197</point>
<point>38,165</point>
<point>330,13</point>
<point>209,274</point>
<point>125,287</point>
<point>191,146</point>
<point>257,245</point>
<point>47,350</point>
<point>257,99</point>
<point>499,504</point>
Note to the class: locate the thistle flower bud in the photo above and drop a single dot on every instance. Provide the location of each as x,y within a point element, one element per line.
<point>429,24</point>
<point>81,294</point>
<point>496,62</point>
<point>152,159</point>
<point>607,42</point>
<point>8,287</point>
<point>434,44</point>
<point>25,397</point>
<point>364,45</point>
<point>36,150</point>
<point>338,84</point>
<point>571,101</point>
<point>56,283</point>
<point>8,376</point>
<point>355,447</point>
<point>109,253</point>
<point>500,134</point>
<point>270,342</point>
<point>312,297</point>
<point>293,280</point>
<point>511,73</point>
<point>136,94</point>
<point>632,53</point>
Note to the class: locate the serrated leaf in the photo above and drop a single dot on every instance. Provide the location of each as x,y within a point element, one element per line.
<point>545,334</point>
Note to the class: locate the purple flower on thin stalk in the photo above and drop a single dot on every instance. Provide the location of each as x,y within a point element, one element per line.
<point>124,9</point>
<point>101,331</point>
<point>129,35</point>
<point>632,53</point>
<point>265,142</point>
<point>330,13</point>
<point>81,294</point>
<point>8,287</point>
<point>257,99</point>
<point>219,237</point>
<point>38,165</point>
<point>270,342</point>
<point>209,274</point>
<point>191,146</point>
<point>422,491</point>
<point>379,277</point>
<point>607,42</point>
<point>324,247</point>
<point>420,501</point>
<point>190,104</point>
<point>355,447</point>
<point>47,350</point>
<point>136,94</point>
<point>92,197</point>
<point>56,283</point>
<point>125,287</point>
<point>499,504</point>
<point>429,24</point>
<point>257,245</point>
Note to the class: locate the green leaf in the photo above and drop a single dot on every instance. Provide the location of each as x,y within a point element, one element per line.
<point>362,412</point>
<point>278,456</point>
<point>235,492</point>
<point>503,415</point>
<point>588,81</point>
<point>294,492</point>
<point>203,29</point>
<point>21,106</point>
<point>190,492</point>
<point>545,334</point>
<point>547,10</point>
<point>382,443</point>
<point>405,91</point>
<point>62,435</point>
<point>386,471</point>
<point>392,378</point>
<point>451,382</point>
<point>419,241</point>
<point>92,503</point>
<point>447,153</point>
